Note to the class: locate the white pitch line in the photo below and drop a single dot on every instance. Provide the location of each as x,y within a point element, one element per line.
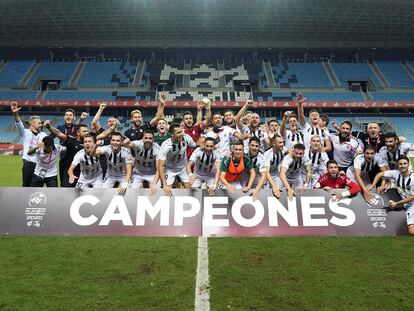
<point>202,290</point>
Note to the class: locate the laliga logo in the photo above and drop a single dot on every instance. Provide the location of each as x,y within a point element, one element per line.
<point>37,199</point>
<point>376,201</point>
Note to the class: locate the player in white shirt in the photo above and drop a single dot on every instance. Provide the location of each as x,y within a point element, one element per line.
<point>206,163</point>
<point>258,161</point>
<point>252,128</point>
<point>404,181</point>
<point>90,166</point>
<point>359,172</point>
<point>291,170</point>
<point>119,163</point>
<point>393,149</point>
<point>318,159</point>
<point>273,158</point>
<point>293,135</point>
<point>222,135</point>
<point>345,147</point>
<point>313,127</point>
<point>46,153</point>
<point>30,138</point>
<point>147,154</point>
<point>173,158</point>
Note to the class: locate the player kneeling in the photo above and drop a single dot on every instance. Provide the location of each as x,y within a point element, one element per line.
<point>206,164</point>
<point>232,167</point>
<point>90,166</point>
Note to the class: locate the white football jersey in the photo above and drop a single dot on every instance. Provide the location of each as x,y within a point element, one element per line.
<point>295,167</point>
<point>145,159</point>
<point>222,139</point>
<point>204,163</point>
<point>46,162</point>
<point>273,160</point>
<point>116,162</point>
<point>90,167</point>
<point>175,154</point>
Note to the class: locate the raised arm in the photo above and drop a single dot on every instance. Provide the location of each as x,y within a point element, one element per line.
<point>15,110</point>
<point>82,118</point>
<point>209,115</point>
<point>240,114</point>
<point>95,121</point>
<point>160,112</point>
<point>285,119</point>
<point>54,131</point>
<point>108,131</point>
<point>301,113</point>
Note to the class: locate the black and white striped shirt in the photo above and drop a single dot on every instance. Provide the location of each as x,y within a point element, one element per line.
<point>90,167</point>
<point>116,162</point>
<point>145,159</point>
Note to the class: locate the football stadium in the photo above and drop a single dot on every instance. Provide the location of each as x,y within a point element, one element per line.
<point>206,155</point>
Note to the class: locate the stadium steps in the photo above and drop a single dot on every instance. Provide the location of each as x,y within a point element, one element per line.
<point>331,75</point>
<point>41,95</point>
<point>28,76</point>
<point>76,74</point>
<point>379,75</point>
<point>407,69</point>
<point>221,77</point>
<point>187,74</point>
<point>367,96</point>
<point>139,73</point>
<point>269,75</point>
<point>2,65</point>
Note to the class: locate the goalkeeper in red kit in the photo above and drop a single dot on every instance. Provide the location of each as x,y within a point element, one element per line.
<point>334,180</point>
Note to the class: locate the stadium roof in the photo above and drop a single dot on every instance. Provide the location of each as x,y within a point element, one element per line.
<point>208,23</point>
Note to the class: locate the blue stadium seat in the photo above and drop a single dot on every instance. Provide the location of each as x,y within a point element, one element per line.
<point>18,95</point>
<point>395,74</point>
<point>300,75</point>
<point>13,72</point>
<point>392,96</point>
<point>108,74</point>
<point>54,71</point>
<point>354,72</point>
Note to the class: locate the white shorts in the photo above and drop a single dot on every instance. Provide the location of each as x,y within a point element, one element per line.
<point>296,183</point>
<point>138,180</point>
<point>200,179</point>
<point>170,176</point>
<point>278,182</point>
<point>88,183</point>
<point>409,213</point>
<point>109,181</point>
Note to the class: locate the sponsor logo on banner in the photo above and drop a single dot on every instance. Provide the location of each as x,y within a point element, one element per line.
<point>376,213</point>
<point>36,211</point>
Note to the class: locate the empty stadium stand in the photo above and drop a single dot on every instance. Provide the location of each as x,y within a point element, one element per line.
<point>300,75</point>
<point>392,96</point>
<point>13,72</point>
<point>354,72</point>
<point>62,71</point>
<point>107,74</point>
<point>395,75</point>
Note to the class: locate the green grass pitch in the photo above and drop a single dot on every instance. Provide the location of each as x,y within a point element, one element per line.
<point>134,273</point>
